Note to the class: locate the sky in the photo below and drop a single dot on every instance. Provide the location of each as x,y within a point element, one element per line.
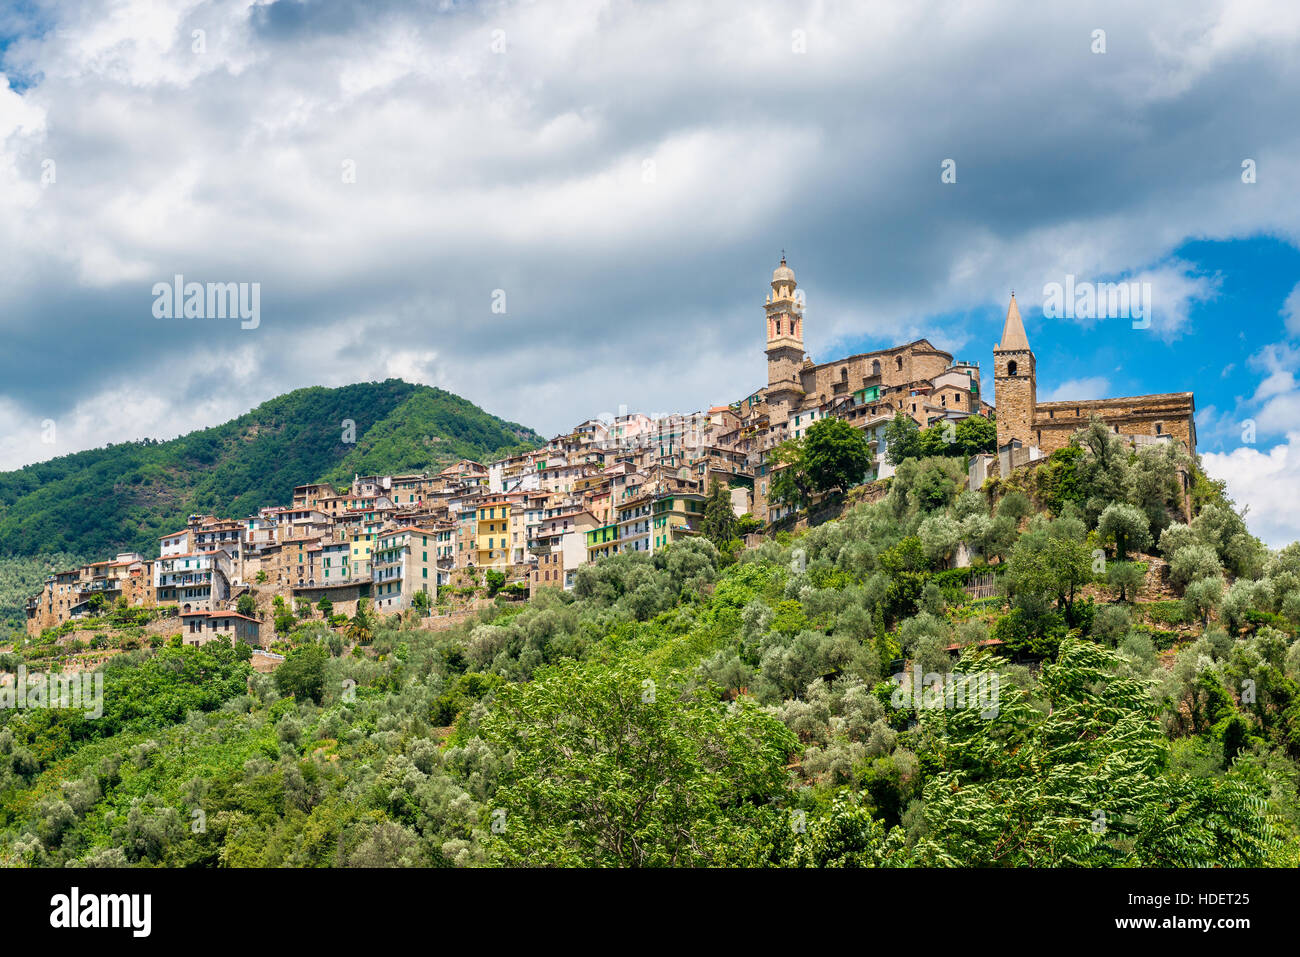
<point>567,208</point>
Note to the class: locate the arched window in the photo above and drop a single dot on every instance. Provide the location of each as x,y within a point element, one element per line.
<point>1011,367</point>
<point>875,367</point>
<point>898,363</point>
<point>844,374</point>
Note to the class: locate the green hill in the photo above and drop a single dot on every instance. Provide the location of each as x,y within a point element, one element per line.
<point>126,495</point>
<point>837,698</point>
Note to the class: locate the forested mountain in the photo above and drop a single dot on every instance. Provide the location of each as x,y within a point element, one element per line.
<point>124,496</point>
<point>728,707</point>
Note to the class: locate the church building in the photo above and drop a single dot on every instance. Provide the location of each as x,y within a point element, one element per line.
<point>1028,424</point>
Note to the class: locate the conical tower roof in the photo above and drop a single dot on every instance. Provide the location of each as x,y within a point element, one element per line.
<point>1013,330</point>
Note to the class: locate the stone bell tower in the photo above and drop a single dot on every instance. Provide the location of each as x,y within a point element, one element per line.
<point>1015,381</point>
<point>785,353</point>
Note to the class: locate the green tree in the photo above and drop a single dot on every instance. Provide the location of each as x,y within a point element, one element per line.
<point>361,627</point>
<point>1202,596</point>
<point>1059,479</point>
<point>977,434</point>
<point>247,605</point>
<point>495,580</point>
<point>1104,472</point>
<point>1193,562</point>
<point>1127,525</point>
<point>791,485</point>
<point>902,439</point>
<point>1126,578</point>
<point>302,673</point>
<point>615,767</point>
<point>326,607</point>
<point>836,455</point>
<point>1047,568</point>
<point>1076,779</point>
<point>719,524</point>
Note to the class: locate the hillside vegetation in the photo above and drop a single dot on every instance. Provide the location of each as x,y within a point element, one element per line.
<point>685,709</point>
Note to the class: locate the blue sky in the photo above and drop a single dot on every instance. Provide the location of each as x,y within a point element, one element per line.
<point>1214,355</point>
<point>622,177</point>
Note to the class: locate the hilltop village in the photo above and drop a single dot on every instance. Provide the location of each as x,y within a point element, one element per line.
<point>631,483</point>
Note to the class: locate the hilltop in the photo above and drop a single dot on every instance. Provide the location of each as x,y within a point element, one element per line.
<point>1122,694</point>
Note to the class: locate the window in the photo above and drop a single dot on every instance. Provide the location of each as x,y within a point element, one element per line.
<point>1011,367</point>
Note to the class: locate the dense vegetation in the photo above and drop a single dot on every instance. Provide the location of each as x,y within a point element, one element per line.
<point>905,439</point>
<point>832,456</point>
<point>683,709</point>
<point>123,497</point>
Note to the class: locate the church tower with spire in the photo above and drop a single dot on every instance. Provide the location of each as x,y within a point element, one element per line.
<point>1015,381</point>
<point>785,353</point>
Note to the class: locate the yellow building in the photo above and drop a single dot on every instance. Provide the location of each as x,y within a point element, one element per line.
<point>492,533</point>
<point>675,517</point>
<point>362,545</point>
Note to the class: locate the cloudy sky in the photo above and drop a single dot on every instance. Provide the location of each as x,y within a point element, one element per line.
<point>622,178</point>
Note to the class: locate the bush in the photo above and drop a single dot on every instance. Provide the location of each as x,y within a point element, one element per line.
<point>1110,623</point>
<point>1127,526</point>
<point>1126,578</point>
<point>1193,562</point>
<point>302,673</point>
<point>1201,597</point>
<point>1033,635</point>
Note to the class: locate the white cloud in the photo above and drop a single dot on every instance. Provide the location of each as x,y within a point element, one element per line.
<point>526,171</point>
<point>1266,482</point>
<point>1089,387</point>
<point>1291,312</point>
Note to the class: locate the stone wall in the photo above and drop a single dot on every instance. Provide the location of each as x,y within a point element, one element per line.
<point>1055,422</point>
<point>920,361</point>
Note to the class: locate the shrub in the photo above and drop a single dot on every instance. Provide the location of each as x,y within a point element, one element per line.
<point>1201,597</point>
<point>1193,562</point>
